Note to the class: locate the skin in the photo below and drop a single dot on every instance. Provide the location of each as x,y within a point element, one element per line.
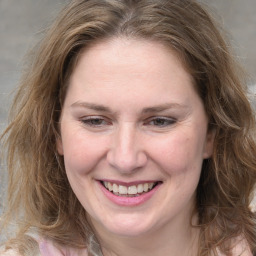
<point>132,114</point>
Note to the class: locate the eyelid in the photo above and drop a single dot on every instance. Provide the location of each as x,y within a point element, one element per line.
<point>87,119</point>
<point>105,121</point>
<point>170,120</point>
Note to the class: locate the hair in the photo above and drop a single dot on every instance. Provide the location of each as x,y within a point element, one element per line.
<point>39,194</point>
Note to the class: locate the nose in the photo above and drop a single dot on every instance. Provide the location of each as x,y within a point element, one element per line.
<point>126,154</point>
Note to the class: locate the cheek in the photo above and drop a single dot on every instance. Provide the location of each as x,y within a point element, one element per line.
<point>179,153</point>
<point>82,153</point>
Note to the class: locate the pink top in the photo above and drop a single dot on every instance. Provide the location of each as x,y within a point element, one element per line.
<point>48,248</point>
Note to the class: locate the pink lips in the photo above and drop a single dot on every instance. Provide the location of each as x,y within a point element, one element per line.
<point>128,201</point>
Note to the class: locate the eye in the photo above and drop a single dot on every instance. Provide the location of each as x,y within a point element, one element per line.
<point>95,121</point>
<point>160,121</point>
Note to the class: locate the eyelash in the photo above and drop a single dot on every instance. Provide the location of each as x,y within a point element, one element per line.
<point>90,121</point>
<point>162,121</point>
<point>99,122</point>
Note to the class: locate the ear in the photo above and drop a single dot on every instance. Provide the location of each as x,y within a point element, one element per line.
<point>209,142</point>
<point>59,146</point>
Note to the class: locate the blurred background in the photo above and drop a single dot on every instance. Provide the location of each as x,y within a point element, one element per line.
<point>22,23</point>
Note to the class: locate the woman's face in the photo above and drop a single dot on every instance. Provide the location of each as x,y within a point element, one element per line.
<point>133,136</point>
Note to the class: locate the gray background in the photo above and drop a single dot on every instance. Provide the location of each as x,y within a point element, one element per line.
<point>22,23</point>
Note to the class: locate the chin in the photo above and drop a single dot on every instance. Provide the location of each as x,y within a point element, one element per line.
<point>129,226</point>
<point>128,231</point>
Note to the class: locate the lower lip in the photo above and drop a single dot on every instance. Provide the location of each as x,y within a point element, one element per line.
<point>129,201</point>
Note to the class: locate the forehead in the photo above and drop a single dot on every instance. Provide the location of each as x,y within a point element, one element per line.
<point>123,67</point>
<point>139,56</point>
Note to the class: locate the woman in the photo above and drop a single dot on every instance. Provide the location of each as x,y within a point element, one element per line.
<point>131,135</point>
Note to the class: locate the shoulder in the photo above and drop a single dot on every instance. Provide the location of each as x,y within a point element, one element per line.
<point>48,247</point>
<point>241,247</point>
<point>9,253</point>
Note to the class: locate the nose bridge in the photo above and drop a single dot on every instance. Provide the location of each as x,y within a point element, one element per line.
<point>126,153</point>
<point>126,139</point>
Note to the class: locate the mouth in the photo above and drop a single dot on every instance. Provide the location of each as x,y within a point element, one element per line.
<point>131,190</point>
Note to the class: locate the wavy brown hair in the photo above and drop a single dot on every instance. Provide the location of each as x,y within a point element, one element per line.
<point>39,194</point>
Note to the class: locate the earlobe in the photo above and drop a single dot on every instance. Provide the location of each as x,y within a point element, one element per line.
<point>59,146</point>
<point>208,148</point>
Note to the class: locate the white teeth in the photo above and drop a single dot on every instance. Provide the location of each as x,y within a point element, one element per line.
<point>109,186</point>
<point>145,186</point>
<point>131,190</point>
<point>115,188</point>
<point>140,188</point>
<point>122,190</point>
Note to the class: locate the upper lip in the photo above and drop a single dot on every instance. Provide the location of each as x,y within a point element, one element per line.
<point>127,184</point>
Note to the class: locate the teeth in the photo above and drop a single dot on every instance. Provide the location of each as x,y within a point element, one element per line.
<point>140,188</point>
<point>115,188</point>
<point>110,186</point>
<point>150,185</point>
<point>122,190</point>
<point>131,190</point>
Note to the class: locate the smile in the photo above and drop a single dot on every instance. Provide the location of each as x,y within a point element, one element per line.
<point>129,191</point>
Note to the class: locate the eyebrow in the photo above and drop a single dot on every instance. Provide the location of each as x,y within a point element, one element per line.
<point>92,106</point>
<point>163,107</point>
<point>153,109</point>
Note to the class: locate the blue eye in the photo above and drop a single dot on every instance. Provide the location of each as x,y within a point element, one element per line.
<point>161,121</point>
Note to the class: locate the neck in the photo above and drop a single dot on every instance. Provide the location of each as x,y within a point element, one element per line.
<point>173,239</point>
